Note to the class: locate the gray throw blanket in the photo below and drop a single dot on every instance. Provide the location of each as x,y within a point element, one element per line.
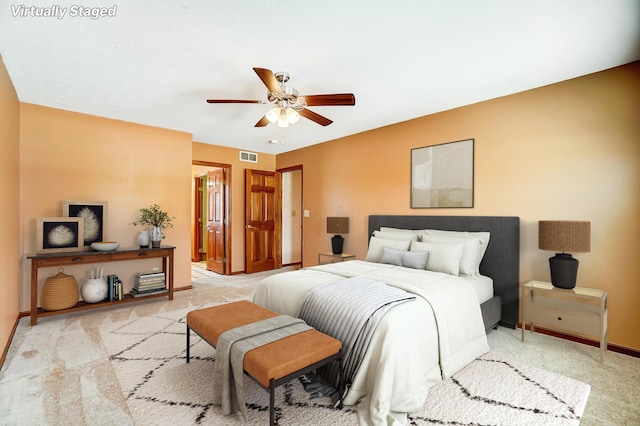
<point>233,344</point>
<point>350,310</point>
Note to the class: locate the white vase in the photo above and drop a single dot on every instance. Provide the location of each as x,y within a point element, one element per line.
<point>94,290</point>
<point>143,239</point>
<point>156,236</point>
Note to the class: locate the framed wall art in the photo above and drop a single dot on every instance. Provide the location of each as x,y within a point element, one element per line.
<point>442,175</point>
<point>59,234</point>
<point>94,214</point>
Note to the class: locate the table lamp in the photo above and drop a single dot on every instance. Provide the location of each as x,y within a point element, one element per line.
<point>337,226</point>
<point>564,237</point>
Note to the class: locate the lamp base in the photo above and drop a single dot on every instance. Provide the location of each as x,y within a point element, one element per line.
<point>336,244</point>
<point>564,270</point>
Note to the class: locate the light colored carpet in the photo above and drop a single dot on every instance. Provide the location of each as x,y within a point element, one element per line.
<point>58,372</point>
<point>148,357</point>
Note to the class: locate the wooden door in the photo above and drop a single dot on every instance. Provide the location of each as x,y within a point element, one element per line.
<point>215,221</point>
<point>263,223</point>
<point>197,244</point>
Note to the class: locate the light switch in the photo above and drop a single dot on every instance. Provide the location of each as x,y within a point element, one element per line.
<point>306,213</point>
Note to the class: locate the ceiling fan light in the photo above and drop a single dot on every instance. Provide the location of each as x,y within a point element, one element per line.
<point>283,120</point>
<point>292,115</point>
<point>273,114</point>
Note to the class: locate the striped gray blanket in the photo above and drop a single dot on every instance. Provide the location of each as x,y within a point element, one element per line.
<point>233,344</point>
<point>350,311</point>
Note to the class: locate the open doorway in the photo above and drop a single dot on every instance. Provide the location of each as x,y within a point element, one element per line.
<point>210,218</point>
<point>292,214</point>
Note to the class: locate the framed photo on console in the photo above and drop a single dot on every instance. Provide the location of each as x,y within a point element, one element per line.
<point>442,175</point>
<point>59,234</point>
<point>94,214</point>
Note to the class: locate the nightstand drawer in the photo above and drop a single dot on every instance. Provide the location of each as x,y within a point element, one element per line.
<point>563,315</point>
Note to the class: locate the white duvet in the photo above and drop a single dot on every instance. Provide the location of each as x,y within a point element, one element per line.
<point>416,344</point>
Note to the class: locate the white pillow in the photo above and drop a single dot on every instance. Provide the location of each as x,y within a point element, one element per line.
<point>401,231</point>
<point>484,237</point>
<point>443,257</point>
<point>471,252</point>
<point>408,259</point>
<point>377,245</point>
<point>396,235</point>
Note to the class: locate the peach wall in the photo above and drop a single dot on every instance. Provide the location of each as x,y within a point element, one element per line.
<point>219,154</point>
<point>9,200</point>
<point>71,156</point>
<point>567,151</point>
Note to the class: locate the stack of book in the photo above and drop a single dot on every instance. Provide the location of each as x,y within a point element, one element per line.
<point>115,288</point>
<point>146,284</point>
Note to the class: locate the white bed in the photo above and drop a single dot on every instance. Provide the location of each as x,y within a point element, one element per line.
<point>392,380</point>
<point>416,344</point>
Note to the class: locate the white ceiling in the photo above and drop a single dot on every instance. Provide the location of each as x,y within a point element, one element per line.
<point>156,62</point>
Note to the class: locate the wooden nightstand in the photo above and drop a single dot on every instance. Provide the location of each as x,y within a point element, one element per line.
<point>579,310</point>
<point>324,258</point>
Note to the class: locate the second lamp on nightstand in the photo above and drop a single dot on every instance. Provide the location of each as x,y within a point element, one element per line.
<point>337,226</point>
<point>564,237</point>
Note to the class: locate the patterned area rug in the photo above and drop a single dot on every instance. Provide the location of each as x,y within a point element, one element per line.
<point>148,357</point>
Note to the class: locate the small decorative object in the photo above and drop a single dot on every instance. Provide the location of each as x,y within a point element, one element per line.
<point>59,292</point>
<point>156,236</point>
<point>562,237</point>
<point>143,239</point>
<point>158,220</point>
<point>337,225</point>
<point>105,245</point>
<point>95,289</point>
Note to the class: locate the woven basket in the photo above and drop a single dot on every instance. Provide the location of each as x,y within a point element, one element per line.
<point>59,292</point>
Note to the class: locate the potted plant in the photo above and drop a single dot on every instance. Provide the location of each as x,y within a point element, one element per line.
<point>158,220</point>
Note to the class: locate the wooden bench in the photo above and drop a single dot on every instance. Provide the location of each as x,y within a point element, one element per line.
<point>275,363</point>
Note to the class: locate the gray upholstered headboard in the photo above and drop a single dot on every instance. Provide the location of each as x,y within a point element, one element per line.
<point>501,260</point>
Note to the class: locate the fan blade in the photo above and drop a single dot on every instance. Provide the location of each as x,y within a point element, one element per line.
<point>232,101</point>
<point>323,121</point>
<point>269,79</point>
<point>327,100</point>
<point>263,122</point>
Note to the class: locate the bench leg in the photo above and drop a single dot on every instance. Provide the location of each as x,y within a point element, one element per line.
<point>188,345</point>
<point>272,403</point>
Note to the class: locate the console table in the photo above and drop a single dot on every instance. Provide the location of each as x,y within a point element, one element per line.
<point>43,260</point>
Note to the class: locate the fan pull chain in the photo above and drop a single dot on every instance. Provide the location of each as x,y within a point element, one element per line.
<point>283,136</point>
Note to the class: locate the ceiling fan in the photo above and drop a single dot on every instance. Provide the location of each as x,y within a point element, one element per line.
<point>289,106</point>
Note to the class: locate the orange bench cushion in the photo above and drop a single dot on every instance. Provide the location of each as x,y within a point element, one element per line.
<point>211,322</point>
<point>273,360</point>
<point>277,359</point>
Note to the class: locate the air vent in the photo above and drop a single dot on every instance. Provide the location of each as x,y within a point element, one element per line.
<point>249,157</point>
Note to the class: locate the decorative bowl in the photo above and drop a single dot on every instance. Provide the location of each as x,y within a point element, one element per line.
<point>105,245</point>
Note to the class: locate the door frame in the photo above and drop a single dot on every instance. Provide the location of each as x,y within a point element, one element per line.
<point>227,209</point>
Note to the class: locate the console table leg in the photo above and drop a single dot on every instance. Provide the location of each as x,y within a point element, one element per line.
<point>170,276</point>
<point>34,293</point>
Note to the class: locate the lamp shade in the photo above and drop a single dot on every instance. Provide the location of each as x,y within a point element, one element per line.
<point>337,225</point>
<point>564,236</point>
